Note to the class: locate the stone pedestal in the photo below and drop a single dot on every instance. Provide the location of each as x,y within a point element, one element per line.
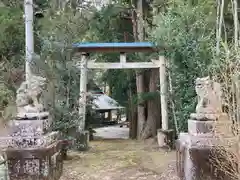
<point>35,163</point>
<point>165,138</point>
<point>199,151</point>
<point>82,141</point>
<point>204,152</point>
<point>33,151</point>
<point>202,162</point>
<point>66,144</point>
<point>186,168</point>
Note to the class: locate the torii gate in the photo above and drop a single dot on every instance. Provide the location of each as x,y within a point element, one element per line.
<point>82,51</point>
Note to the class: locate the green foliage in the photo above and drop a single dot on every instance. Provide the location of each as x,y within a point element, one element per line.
<point>66,119</point>
<point>6,96</point>
<point>188,31</point>
<point>65,26</point>
<point>58,30</point>
<point>63,85</point>
<point>12,3</point>
<point>11,35</point>
<point>110,25</point>
<point>142,98</point>
<point>120,82</point>
<point>11,51</point>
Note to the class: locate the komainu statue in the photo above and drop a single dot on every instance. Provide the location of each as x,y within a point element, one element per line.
<point>30,95</point>
<point>209,96</point>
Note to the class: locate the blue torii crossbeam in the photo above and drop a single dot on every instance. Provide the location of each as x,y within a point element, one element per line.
<point>115,47</point>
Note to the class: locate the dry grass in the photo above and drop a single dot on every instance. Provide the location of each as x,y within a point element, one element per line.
<point>227,155</point>
<point>120,160</point>
<point>226,70</point>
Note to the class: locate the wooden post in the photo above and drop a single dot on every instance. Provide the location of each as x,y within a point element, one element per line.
<point>163,92</point>
<point>83,91</point>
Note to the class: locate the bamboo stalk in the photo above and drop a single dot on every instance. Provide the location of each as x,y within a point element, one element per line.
<point>219,28</point>
<point>172,103</point>
<point>235,17</point>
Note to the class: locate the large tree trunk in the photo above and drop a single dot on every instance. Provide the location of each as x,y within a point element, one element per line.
<point>132,116</point>
<point>146,126</point>
<point>153,109</point>
<point>140,108</point>
<point>138,30</point>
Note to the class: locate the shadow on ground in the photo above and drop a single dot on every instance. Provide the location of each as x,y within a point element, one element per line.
<point>120,160</point>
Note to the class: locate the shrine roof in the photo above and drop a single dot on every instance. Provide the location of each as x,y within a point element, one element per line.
<point>104,102</point>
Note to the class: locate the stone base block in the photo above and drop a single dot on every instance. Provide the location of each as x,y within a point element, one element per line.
<point>208,139</point>
<point>220,128</point>
<point>204,116</point>
<point>35,163</point>
<point>195,126</point>
<point>82,141</point>
<point>224,128</point>
<point>66,144</point>
<point>208,116</point>
<point>30,141</point>
<point>165,138</point>
<point>34,127</point>
<point>204,160</point>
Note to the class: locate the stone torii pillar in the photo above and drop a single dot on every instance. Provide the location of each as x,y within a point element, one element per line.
<point>165,135</point>
<point>163,92</point>
<point>82,138</point>
<point>83,91</point>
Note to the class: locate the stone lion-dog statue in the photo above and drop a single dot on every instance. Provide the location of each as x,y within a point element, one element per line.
<point>209,96</point>
<point>30,95</point>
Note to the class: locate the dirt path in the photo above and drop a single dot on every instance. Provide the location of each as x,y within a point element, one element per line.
<point>120,160</point>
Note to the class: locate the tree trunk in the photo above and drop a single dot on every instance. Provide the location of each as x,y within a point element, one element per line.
<point>110,95</point>
<point>138,30</point>
<point>153,109</point>
<point>132,116</point>
<point>140,107</point>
